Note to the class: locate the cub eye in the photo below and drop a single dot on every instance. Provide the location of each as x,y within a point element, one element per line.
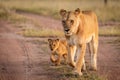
<point>71,21</point>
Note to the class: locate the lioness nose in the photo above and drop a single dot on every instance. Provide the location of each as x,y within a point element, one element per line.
<point>67,30</point>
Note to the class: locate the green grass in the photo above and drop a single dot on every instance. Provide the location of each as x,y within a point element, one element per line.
<point>109,31</point>
<point>52,7</point>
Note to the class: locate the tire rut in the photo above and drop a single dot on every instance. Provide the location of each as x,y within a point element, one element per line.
<point>14,60</point>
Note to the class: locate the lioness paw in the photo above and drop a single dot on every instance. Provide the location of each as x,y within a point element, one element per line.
<point>72,64</point>
<point>77,73</point>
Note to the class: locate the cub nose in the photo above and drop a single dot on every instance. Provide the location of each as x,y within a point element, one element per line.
<point>67,30</point>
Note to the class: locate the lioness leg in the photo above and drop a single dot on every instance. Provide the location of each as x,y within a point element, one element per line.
<point>95,47</point>
<point>90,47</point>
<point>94,55</point>
<point>77,56</point>
<point>71,55</point>
<point>80,60</point>
<point>84,66</point>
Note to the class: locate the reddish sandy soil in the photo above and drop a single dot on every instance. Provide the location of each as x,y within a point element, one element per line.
<point>24,58</point>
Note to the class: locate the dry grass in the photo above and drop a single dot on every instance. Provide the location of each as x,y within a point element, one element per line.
<point>65,73</point>
<point>104,31</point>
<point>110,12</point>
<point>52,7</point>
<point>42,33</point>
<point>105,13</point>
<point>4,12</point>
<point>26,24</point>
<point>7,14</point>
<point>109,31</point>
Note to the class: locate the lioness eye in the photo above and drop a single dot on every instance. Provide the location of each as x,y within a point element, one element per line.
<point>71,21</point>
<point>63,22</point>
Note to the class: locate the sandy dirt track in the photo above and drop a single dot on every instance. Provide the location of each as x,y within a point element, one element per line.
<point>20,57</point>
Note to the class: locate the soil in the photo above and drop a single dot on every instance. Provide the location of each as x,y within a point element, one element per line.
<point>24,58</point>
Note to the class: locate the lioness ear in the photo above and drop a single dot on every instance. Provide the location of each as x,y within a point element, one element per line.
<point>77,11</point>
<point>49,40</point>
<point>62,12</point>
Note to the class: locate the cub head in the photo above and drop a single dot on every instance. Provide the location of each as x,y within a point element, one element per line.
<point>70,21</point>
<point>53,44</point>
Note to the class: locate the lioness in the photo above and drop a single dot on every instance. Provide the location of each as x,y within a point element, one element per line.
<point>80,27</point>
<point>59,48</point>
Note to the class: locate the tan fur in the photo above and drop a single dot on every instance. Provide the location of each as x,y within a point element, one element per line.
<point>80,27</point>
<point>59,48</point>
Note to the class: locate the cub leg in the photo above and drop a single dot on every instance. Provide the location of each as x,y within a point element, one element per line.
<point>65,57</point>
<point>58,60</point>
<point>52,58</point>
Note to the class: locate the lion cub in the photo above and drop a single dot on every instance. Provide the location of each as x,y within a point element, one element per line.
<point>59,49</point>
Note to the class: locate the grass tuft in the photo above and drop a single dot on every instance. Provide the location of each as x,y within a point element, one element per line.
<point>8,14</point>
<point>109,31</point>
<point>65,73</point>
<point>4,12</point>
<point>42,33</point>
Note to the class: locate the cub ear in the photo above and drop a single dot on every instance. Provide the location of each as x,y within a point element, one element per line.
<point>62,12</point>
<point>49,40</point>
<point>77,11</point>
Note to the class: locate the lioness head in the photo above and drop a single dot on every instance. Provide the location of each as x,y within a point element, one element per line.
<point>53,44</point>
<point>70,21</point>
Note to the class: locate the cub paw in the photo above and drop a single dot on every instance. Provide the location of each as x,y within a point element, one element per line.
<point>57,64</point>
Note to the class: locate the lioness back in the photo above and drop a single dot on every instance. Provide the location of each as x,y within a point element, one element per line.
<point>91,24</point>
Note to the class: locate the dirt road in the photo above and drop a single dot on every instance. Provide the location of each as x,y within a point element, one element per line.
<point>28,58</point>
<point>18,56</point>
<point>13,60</point>
<point>108,59</point>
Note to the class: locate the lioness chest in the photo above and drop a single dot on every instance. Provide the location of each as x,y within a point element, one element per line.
<point>72,40</point>
<point>75,40</point>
